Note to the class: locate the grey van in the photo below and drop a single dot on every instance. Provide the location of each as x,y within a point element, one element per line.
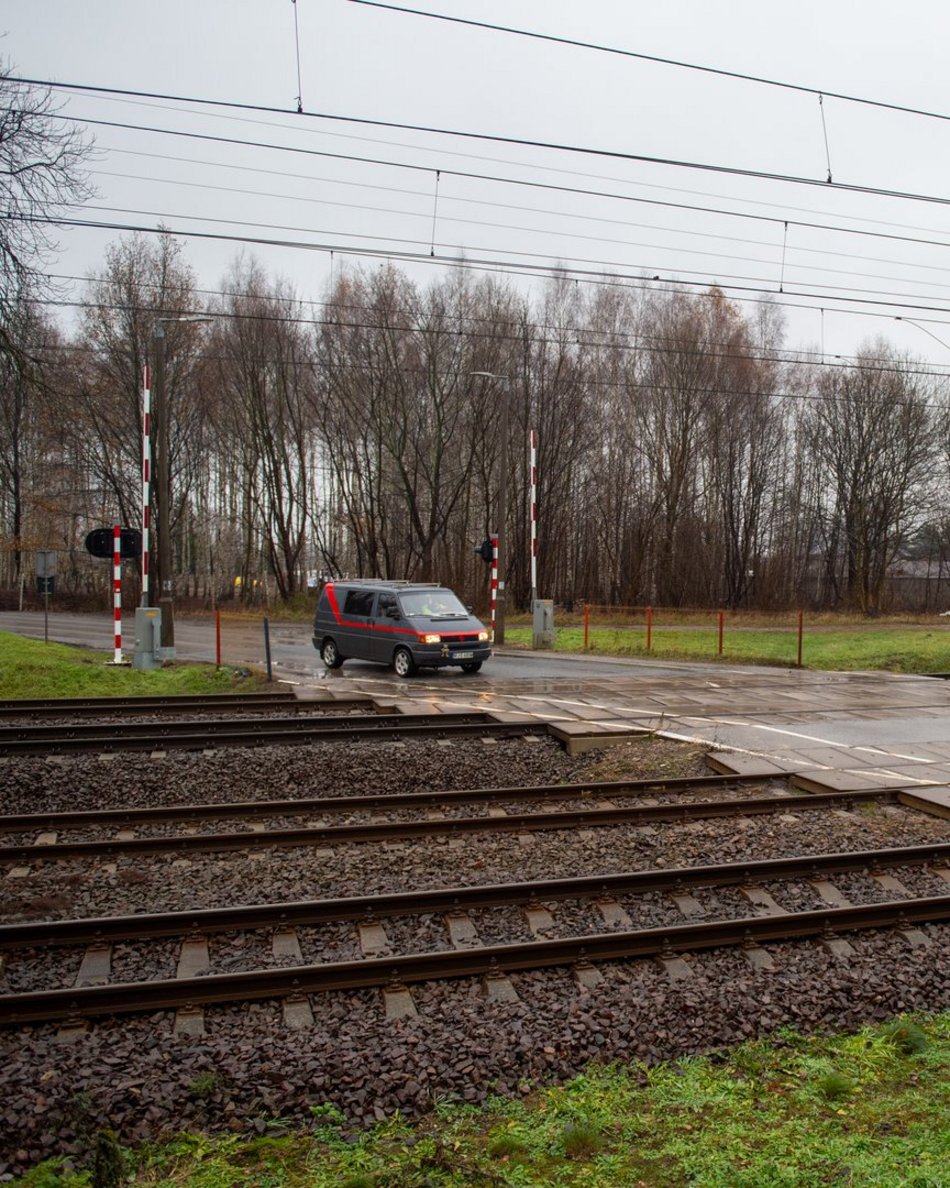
<point>409,625</point>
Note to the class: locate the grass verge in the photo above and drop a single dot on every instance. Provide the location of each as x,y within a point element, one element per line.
<point>895,649</point>
<point>30,669</point>
<point>797,1112</point>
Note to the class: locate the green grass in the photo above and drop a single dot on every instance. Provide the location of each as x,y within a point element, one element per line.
<point>849,648</point>
<point>867,1109</point>
<point>31,668</point>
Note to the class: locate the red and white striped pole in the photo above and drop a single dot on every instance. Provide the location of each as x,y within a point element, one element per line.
<point>117,591</point>
<point>533,463</point>
<point>146,478</point>
<point>494,584</point>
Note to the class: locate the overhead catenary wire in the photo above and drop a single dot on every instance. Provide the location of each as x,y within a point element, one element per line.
<point>498,265</point>
<point>802,266</point>
<point>746,294</point>
<point>427,169</point>
<point>586,380</point>
<point>733,286</point>
<point>599,219</point>
<point>737,75</point>
<point>726,281</point>
<point>497,138</point>
<point>535,167</point>
<point>797,354</point>
<point>580,338</point>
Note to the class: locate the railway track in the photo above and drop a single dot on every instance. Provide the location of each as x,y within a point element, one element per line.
<point>63,707</point>
<point>768,922</point>
<point>50,845</point>
<point>255,809</point>
<point>272,730</point>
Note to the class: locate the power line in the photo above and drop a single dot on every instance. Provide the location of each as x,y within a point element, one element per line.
<point>576,190</point>
<point>495,138</point>
<point>575,341</point>
<point>797,354</point>
<point>785,208</point>
<point>723,280</point>
<point>586,381</point>
<point>820,92</point>
<point>450,198</point>
<point>527,270</point>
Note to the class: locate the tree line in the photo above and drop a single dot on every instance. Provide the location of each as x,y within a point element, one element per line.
<point>685,457</point>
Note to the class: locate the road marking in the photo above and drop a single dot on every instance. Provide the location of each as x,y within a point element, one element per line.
<point>665,715</point>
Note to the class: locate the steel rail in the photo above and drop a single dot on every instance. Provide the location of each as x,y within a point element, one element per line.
<point>248,732</point>
<point>53,732</point>
<point>126,998</point>
<point>374,801</point>
<point>14,707</point>
<point>396,830</point>
<point>109,929</point>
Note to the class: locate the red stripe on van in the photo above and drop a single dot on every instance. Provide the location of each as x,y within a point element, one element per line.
<point>341,622</point>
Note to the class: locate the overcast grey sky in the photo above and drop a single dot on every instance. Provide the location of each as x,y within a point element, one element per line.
<point>359,61</point>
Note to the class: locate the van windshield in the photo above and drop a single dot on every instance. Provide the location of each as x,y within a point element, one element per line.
<point>432,604</point>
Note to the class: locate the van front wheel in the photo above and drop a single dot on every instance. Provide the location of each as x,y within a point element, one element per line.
<point>330,654</point>
<point>403,662</point>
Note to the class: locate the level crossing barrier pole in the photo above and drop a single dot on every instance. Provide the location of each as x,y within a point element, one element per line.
<point>146,480</point>
<point>117,592</point>
<point>533,470</point>
<point>494,585</point>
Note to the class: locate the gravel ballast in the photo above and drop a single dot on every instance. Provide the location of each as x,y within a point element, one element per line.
<point>144,1081</point>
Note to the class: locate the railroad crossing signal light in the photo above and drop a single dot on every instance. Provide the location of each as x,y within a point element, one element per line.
<point>485,551</point>
<point>99,543</point>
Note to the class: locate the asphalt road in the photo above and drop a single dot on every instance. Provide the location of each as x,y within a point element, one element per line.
<point>293,654</point>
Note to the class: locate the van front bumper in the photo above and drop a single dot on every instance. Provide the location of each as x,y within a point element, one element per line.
<point>440,656</point>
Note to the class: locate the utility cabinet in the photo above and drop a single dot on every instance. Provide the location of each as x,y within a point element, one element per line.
<point>542,629</point>
<point>148,638</point>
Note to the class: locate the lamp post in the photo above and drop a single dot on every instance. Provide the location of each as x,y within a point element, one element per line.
<point>502,500</point>
<point>163,475</point>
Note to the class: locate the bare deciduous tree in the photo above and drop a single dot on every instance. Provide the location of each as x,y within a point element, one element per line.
<point>873,430</point>
<point>41,172</point>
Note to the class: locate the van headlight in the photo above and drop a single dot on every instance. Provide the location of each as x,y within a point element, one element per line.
<point>430,638</point>
<point>482,636</point>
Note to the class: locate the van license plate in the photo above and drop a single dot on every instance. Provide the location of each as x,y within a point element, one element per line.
<point>462,655</point>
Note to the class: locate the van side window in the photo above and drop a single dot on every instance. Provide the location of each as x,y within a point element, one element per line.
<point>359,602</point>
<point>387,602</point>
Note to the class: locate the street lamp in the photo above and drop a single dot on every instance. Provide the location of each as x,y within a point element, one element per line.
<point>502,500</point>
<point>163,475</point>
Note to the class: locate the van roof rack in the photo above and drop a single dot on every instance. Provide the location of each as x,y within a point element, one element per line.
<point>386,582</point>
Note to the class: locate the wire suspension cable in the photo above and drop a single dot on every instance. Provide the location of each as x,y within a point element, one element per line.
<point>824,128</point>
<point>435,213</point>
<point>781,279</point>
<point>608,49</point>
<point>297,43</point>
